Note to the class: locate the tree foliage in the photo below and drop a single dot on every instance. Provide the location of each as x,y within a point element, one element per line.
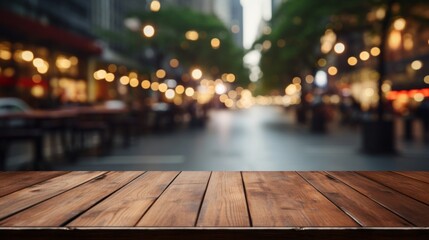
<point>299,24</point>
<point>171,25</point>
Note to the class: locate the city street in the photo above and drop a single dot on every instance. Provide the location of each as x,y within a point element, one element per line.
<point>260,138</point>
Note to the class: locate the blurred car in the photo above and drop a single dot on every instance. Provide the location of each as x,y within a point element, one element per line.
<point>12,105</point>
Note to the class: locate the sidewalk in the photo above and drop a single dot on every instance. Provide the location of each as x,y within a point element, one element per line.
<point>261,138</point>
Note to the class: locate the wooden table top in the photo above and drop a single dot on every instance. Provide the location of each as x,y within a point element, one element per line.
<point>365,204</point>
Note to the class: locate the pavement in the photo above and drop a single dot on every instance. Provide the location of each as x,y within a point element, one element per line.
<point>260,138</point>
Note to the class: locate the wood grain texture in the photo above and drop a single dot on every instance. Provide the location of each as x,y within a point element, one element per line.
<point>418,175</point>
<point>406,207</point>
<point>180,203</point>
<point>224,204</point>
<point>408,186</point>
<point>37,193</point>
<point>362,209</point>
<point>285,199</point>
<point>127,206</point>
<point>60,209</point>
<point>14,181</point>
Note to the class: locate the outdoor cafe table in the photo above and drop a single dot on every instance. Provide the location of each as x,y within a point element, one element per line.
<point>60,120</point>
<point>214,205</point>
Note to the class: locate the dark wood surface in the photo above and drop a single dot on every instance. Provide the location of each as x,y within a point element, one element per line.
<point>214,205</point>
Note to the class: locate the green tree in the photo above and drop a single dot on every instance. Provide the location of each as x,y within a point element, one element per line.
<point>171,25</point>
<point>298,25</point>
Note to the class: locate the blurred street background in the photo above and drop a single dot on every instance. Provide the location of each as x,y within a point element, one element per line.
<point>214,85</point>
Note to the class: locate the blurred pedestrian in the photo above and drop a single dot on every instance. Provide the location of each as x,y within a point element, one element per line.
<point>423,114</point>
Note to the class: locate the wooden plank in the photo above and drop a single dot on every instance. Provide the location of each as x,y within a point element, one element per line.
<point>127,206</point>
<point>216,233</point>
<point>34,194</point>
<point>224,204</point>
<point>285,199</point>
<point>419,175</point>
<point>408,186</point>
<point>60,209</point>
<point>178,206</point>
<point>14,181</point>
<point>413,211</point>
<point>362,209</point>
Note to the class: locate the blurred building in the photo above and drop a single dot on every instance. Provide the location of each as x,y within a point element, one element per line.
<point>50,49</point>
<point>352,65</point>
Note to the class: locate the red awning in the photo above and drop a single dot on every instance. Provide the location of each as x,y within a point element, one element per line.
<point>50,34</point>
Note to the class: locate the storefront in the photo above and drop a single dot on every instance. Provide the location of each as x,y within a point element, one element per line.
<point>44,65</point>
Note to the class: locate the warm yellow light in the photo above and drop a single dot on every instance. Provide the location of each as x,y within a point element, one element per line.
<point>375,51</point>
<point>189,92</point>
<point>145,84</point>
<point>132,75</point>
<point>110,77</point>
<point>339,48</point>
<point>36,78</point>
<point>395,39</point>
<point>296,80</point>
<point>196,73</point>
<point>426,79</point>
<point>43,69</point>
<point>180,89</point>
<point>399,24</point>
<point>170,94</point>
<point>154,86</point>
<point>386,87</point>
<point>232,94</point>
<point>38,62</point>
<point>163,87</point>
<point>98,75</point>
<point>160,73</point>
<point>364,55</point>
<point>291,89</point>
<point>416,65</point>
<point>215,42</point>
<point>309,79</point>
<point>352,61</point>
<point>74,60</point>
<point>230,77</point>
<point>419,97</point>
<point>134,82</point>
<point>148,31</point>
<point>266,45</point>
<point>27,56</point>
<point>155,6</point>
<point>223,98</point>
<point>192,35</point>
<point>368,92</point>
<point>5,54</point>
<point>63,63</point>
<point>229,103</point>
<point>124,80</point>
<point>322,62</point>
<point>37,91</point>
<point>332,71</point>
<point>174,63</point>
<point>380,13</point>
<point>408,42</point>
